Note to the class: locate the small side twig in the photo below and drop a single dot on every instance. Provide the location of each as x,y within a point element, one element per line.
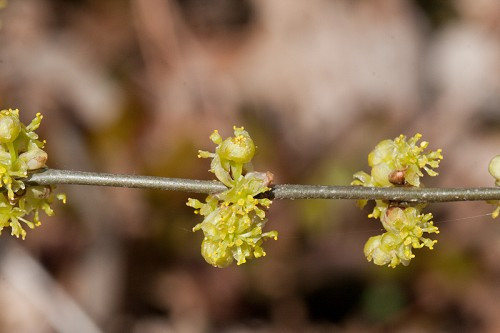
<point>285,191</point>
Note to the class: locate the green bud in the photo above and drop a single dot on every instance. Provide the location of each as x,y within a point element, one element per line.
<point>215,255</point>
<point>382,153</point>
<point>35,158</point>
<point>10,127</point>
<point>378,252</point>
<point>380,174</point>
<point>494,168</point>
<point>239,149</point>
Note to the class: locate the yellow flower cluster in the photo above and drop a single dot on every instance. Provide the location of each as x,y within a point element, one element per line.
<point>398,162</point>
<point>21,152</point>
<point>405,229</point>
<point>233,220</point>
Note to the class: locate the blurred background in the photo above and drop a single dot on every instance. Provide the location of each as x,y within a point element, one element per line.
<point>138,86</point>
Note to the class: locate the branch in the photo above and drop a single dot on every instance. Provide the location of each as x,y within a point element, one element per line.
<point>287,191</point>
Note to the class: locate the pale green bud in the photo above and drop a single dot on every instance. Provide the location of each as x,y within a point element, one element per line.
<point>494,168</point>
<point>10,127</point>
<point>239,149</point>
<point>382,153</point>
<point>380,249</point>
<point>215,254</point>
<point>380,174</point>
<point>35,158</point>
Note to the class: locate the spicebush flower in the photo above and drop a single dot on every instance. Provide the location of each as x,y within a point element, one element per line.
<point>402,156</point>
<point>398,162</point>
<point>234,219</point>
<point>20,152</point>
<point>231,155</point>
<point>405,229</point>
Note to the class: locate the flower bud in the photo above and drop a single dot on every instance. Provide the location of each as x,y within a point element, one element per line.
<point>380,174</point>
<point>494,168</point>
<point>9,125</point>
<point>35,158</point>
<point>239,149</point>
<point>215,255</point>
<point>376,251</point>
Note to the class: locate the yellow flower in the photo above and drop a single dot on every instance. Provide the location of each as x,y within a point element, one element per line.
<point>399,160</point>
<point>405,229</point>
<point>233,220</point>
<point>20,152</point>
